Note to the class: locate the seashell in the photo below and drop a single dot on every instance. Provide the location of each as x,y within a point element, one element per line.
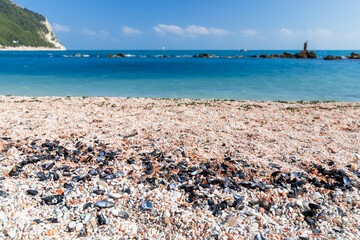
<point>123,215</point>
<point>101,219</point>
<point>147,205</point>
<point>104,204</point>
<point>53,199</point>
<point>3,194</point>
<point>32,192</point>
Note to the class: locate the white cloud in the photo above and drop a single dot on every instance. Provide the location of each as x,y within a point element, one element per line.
<point>323,33</point>
<point>87,31</point>
<point>163,29</point>
<point>189,31</point>
<point>130,31</point>
<point>286,32</point>
<point>60,28</point>
<point>250,32</point>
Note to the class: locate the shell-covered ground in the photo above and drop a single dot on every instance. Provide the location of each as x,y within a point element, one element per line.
<point>118,168</point>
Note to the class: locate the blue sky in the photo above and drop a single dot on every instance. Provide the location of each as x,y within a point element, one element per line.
<point>202,24</point>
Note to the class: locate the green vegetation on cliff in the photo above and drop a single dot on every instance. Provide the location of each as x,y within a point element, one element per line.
<point>21,27</point>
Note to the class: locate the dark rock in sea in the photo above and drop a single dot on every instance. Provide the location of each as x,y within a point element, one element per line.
<point>264,56</point>
<point>301,54</point>
<point>354,56</point>
<point>331,57</point>
<point>255,56</point>
<point>311,54</point>
<point>120,55</point>
<point>53,199</point>
<point>306,54</point>
<point>32,192</point>
<point>164,56</point>
<point>275,56</point>
<point>104,204</point>
<point>203,55</point>
<point>111,56</point>
<point>287,55</point>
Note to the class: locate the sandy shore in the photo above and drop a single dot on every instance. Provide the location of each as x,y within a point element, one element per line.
<point>260,138</point>
<point>24,48</point>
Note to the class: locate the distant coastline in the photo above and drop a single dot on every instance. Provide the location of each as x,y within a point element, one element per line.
<point>25,48</point>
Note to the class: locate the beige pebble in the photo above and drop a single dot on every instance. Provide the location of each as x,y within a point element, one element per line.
<point>103,184</point>
<point>231,222</point>
<point>166,219</point>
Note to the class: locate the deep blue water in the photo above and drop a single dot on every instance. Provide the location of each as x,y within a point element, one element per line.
<point>143,74</point>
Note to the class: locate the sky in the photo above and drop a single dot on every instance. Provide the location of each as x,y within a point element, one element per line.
<point>202,24</point>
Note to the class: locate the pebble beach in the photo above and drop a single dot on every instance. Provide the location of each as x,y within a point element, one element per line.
<point>139,168</point>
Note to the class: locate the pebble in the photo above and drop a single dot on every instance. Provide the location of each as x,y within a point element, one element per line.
<point>232,222</point>
<point>176,195</point>
<point>102,184</point>
<point>79,226</point>
<point>72,225</point>
<point>115,195</point>
<point>317,195</point>
<point>166,219</point>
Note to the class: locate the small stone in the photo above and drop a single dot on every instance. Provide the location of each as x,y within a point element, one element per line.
<point>176,195</point>
<point>114,195</point>
<point>261,210</point>
<point>88,217</point>
<point>93,222</point>
<point>103,184</point>
<point>166,219</point>
<point>72,225</point>
<point>79,226</point>
<point>317,195</point>
<point>231,222</point>
<point>299,203</point>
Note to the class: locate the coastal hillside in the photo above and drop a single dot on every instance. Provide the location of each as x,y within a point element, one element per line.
<point>23,29</point>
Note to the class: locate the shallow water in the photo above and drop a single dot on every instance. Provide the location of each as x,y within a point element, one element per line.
<point>144,74</point>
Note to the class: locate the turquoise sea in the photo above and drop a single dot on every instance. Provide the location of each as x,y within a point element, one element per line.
<point>144,74</point>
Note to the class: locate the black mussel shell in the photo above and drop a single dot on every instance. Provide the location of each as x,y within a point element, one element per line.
<point>309,213</point>
<point>314,206</point>
<point>53,199</point>
<point>3,194</point>
<point>101,219</point>
<point>32,192</point>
